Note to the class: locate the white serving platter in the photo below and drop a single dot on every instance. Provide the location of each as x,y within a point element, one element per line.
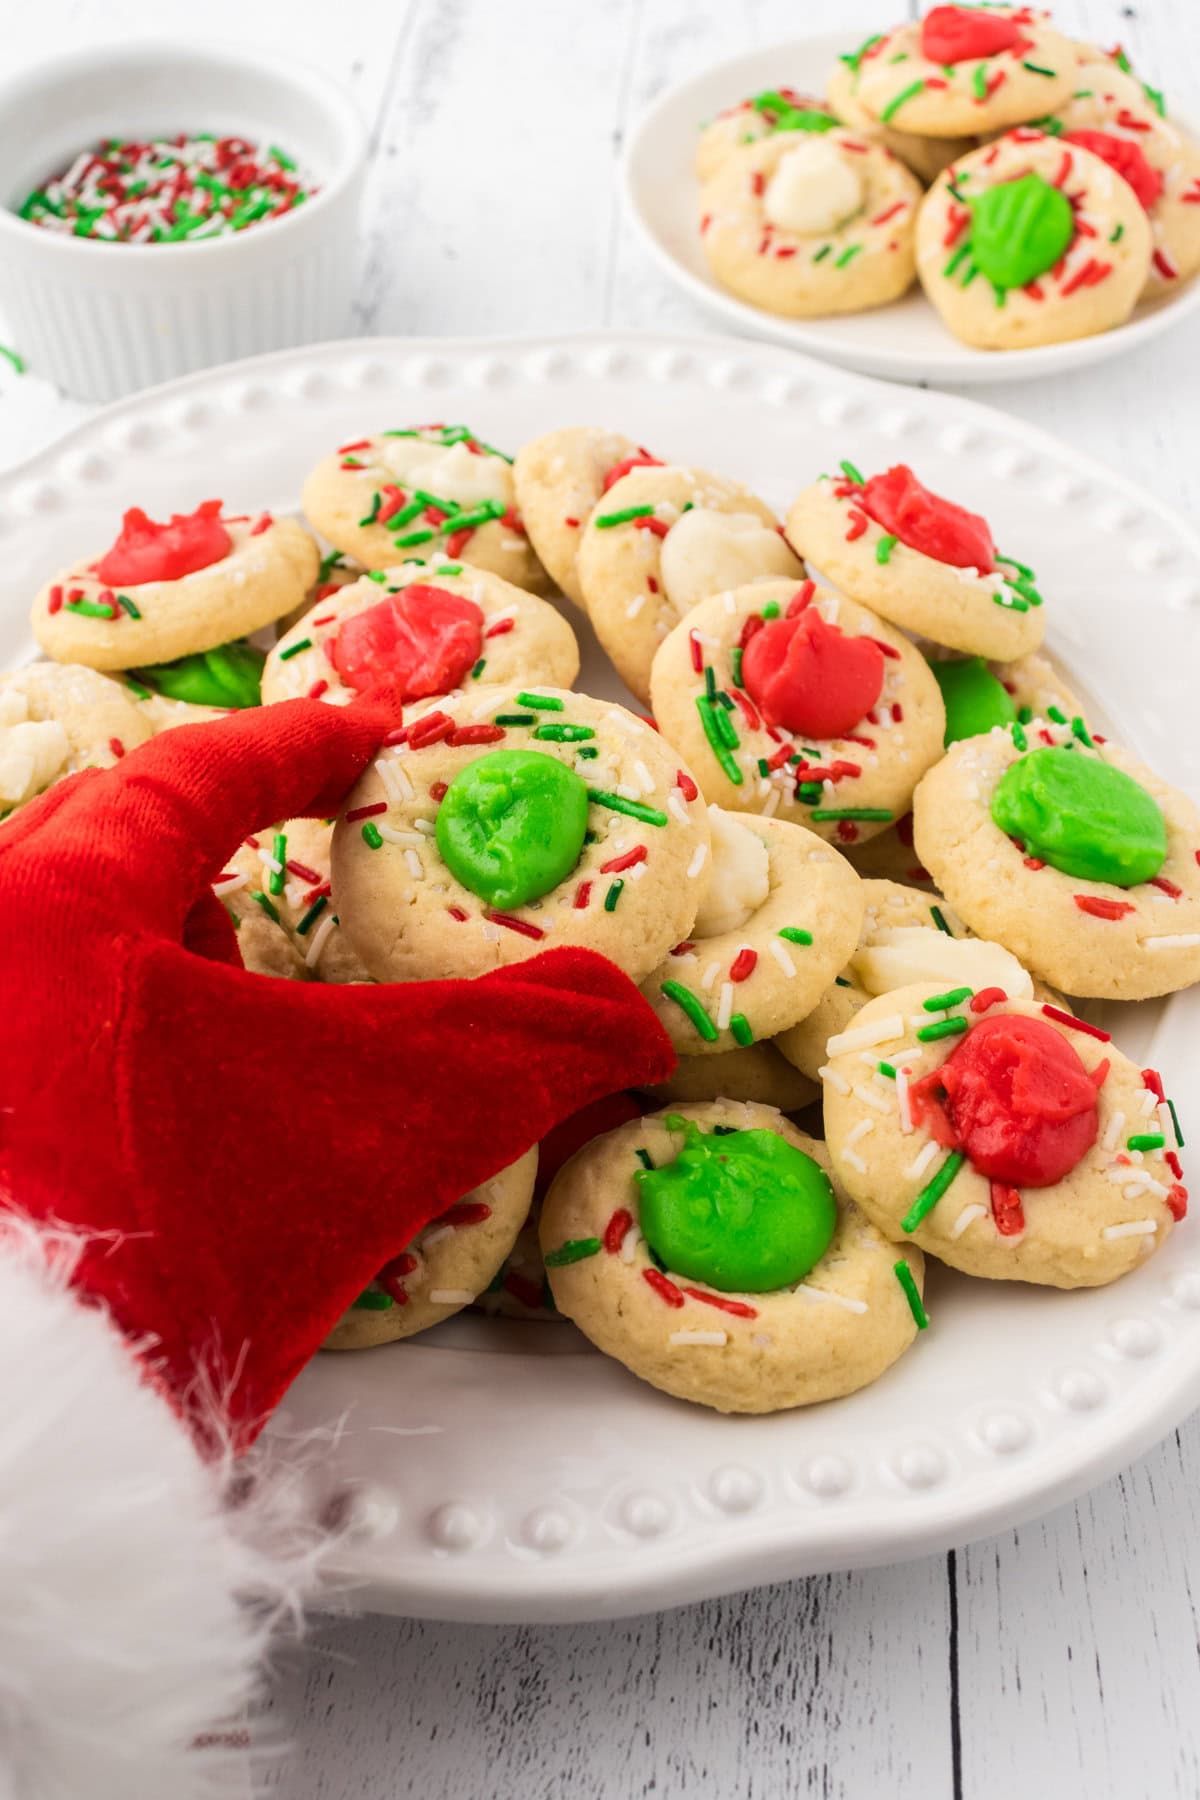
<point>504,1471</point>
<point>903,342</point>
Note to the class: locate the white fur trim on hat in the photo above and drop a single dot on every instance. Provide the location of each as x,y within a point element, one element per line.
<point>139,1584</point>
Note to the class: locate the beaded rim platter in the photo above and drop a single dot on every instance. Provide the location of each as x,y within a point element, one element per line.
<point>494,1470</point>
<point>905,341</point>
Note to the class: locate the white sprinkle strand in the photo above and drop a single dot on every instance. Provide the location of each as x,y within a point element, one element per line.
<point>842,1300</point>
<point>320,938</point>
<point>855,1160</point>
<point>780,953</point>
<point>436,1237</point>
<point>630,1242</point>
<point>1148,1100</point>
<point>1135,1228</point>
<point>1133,1176</point>
<point>906,1120</point>
<point>635,606</point>
<point>716,1339</point>
<point>837,1082</point>
<point>676,807</point>
<point>922,1160</point>
<point>725,1006</point>
<point>709,976</point>
<point>863,1036</point>
<point>870,1097</point>
<point>863,1129</point>
<point>1112,1136</point>
<point>697,862</point>
<point>1179,940</point>
<point>221,888</point>
<point>966,1217</point>
<point>416,867</point>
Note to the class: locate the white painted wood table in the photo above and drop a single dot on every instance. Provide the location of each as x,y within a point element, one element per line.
<point>1061,1659</point>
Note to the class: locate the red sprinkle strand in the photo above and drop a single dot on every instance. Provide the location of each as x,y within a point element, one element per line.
<point>755,624</point>
<point>738,1308</point>
<point>686,785</point>
<point>1173,1163</point>
<point>1153,1080</point>
<point>1177,1201</point>
<point>583,894</point>
<point>54,600</point>
<point>302,871</point>
<point>1166,887</point>
<point>317,689</point>
<point>614,1231</point>
<point>475,734</point>
<point>1007,1210</point>
<point>748,708</point>
<point>888,649</point>
<point>430,730</point>
<point>500,628</point>
<point>659,527</point>
<point>117,747</point>
<point>465,1212</point>
<point>366,812</point>
<point>666,1290</point>
<point>519,925</point>
<point>987,997</point>
<point>437,790</point>
<point>858,524</point>
<point>1098,908</point>
<point>628,861</point>
<point>889,212</point>
<point>743,965</point>
<point>800,599</point>
<point>263,523</point>
<point>696,652</point>
<point>456,912</point>
<point>1062,1018</point>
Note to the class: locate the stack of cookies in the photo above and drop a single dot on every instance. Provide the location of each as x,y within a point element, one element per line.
<point>1033,184</point>
<point>863,855</point>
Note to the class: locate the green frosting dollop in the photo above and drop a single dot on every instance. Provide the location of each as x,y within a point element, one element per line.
<point>744,1211</point>
<point>1082,816</point>
<point>974,698</point>
<point>511,825</point>
<point>1019,229</point>
<point>228,676</point>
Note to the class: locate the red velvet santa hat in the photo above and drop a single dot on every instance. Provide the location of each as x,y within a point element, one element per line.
<point>199,1170</point>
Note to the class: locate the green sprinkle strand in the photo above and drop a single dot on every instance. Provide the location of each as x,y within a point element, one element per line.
<point>1116,234</point>
<point>771,610</point>
<point>1145,1140</point>
<point>886,544</point>
<point>540,702</point>
<point>717,744</point>
<point>1018,735</point>
<point>929,1195</point>
<point>312,915</point>
<point>90,609</point>
<point>373,1301</point>
<point>589,750</point>
<point>279,875</point>
<point>371,837</point>
<point>942,1028</point>
<point>376,575</point>
<point>1056,714</point>
<point>687,1003</point>
<point>268,906</point>
<point>939,920</point>
<point>573,1251</point>
<point>879,813</point>
<point>943,1002</point>
<point>1037,69</point>
<point>613,895</point>
<point>480,666</point>
<point>513,719</point>
<point>735,665</point>
<point>128,606</point>
<point>907,1280</point>
<point>888,1069</point>
<point>979,81</point>
<point>853,58</point>
<point>370,516</point>
<point>1082,733</point>
<point>644,1157</point>
<point>12,357</point>
<point>1175,1122</point>
<point>564,734</point>
<point>295,649</point>
<point>902,98</point>
<point>413,538</point>
<point>739,1025</point>
<point>847,256</point>
<point>649,815</point>
<point>627,514</point>
<point>137,690</point>
<point>823,252</point>
<point>795,934</point>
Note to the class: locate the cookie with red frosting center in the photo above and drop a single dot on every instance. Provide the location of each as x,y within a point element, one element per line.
<point>793,702</point>
<point>1002,1135</point>
<point>919,558</point>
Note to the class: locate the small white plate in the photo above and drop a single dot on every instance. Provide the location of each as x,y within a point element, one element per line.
<point>506,1471</point>
<point>905,341</point>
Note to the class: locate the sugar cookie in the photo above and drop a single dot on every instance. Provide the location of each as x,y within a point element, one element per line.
<point>513,820</point>
<point>780,915</point>
<point>964,70</point>
<point>433,628</point>
<point>890,856</point>
<point>1123,121</point>
<point>797,703</point>
<point>56,719</point>
<point>707,1249</point>
<point>164,591</point>
<point>446,1267</point>
<point>429,489</point>
<point>808,224</point>
<point>276,887</point>
<point>1032,241</point>
<point>1009,1140</point>
<point>756,1072</point>
<point>922,561</point>
<point>559,480</point>
<point>979,695</point>
<point>925,156</point>
<point>665,539</point>
<point>1072,854</point>
<point>780,109</point>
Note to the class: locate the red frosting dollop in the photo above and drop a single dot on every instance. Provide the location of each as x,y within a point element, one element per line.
<point>423,639</point>
<point>952,34</point>
<point>809,677</point>
<point>146,551</point>
<point>1016,1098</point>
<point>926,522</point>
<point>1126,157</point>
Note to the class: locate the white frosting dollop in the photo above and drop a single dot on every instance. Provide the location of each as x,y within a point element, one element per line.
<point>906,953</point>
<point>814,189</point>
<point>32,751</point>
<point>452,474</point>
<point>708,552</point>
<point>739,878</point>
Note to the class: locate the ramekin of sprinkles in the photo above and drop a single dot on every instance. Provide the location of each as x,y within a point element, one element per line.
<point>172,205</point>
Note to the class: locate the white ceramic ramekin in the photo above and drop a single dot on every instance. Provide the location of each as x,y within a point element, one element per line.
<point>104,319</point>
